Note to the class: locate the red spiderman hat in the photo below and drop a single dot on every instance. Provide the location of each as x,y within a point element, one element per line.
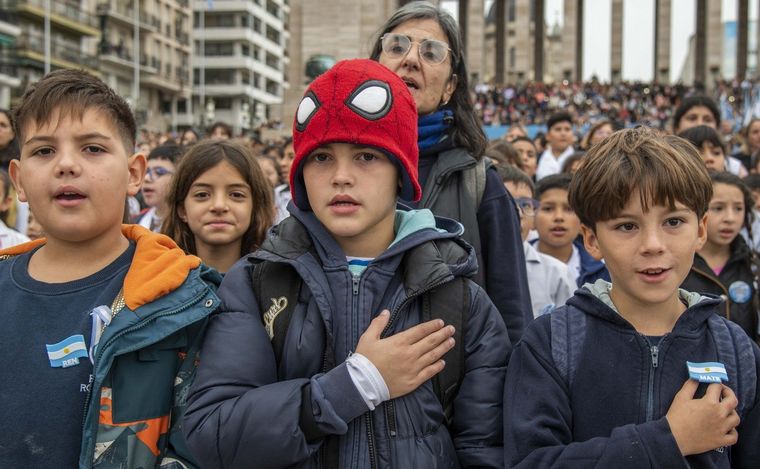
<point>363,103</point>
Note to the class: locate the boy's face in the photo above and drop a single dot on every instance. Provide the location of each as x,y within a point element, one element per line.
<point>352,191</point>
<point>697,115</point>
<point>648,254</point>
<point>560,136</point>
<point>157,179</point>
<point>713,157</point>
<point>286,161</point>
<point>521,191</point>
<point>556,223</point>
<point>76,175</point>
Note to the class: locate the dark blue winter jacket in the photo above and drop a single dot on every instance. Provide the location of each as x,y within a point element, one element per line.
<point>591,269</point>
<point>611,412</point>
<point>246,410</point>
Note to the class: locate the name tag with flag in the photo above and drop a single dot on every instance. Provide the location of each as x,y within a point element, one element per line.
<point>67,352</point>
<point>707,372</point>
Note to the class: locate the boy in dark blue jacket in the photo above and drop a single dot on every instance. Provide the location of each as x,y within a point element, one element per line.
<point>604,380</point>
<point>349,384</point>
<point>558,228</point>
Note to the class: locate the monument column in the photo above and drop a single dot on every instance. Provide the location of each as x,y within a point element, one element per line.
<point>742,19</point>
<point>662,16</point>
<point>538,43</point>
<point>616,41</point>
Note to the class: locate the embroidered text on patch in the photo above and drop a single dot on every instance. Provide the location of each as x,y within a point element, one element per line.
<point>278,306</point>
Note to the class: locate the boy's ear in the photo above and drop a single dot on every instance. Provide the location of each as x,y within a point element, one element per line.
<point>136,165</point>
<point>701,232</point>
<point>14,171</point>
<point>591,242</point>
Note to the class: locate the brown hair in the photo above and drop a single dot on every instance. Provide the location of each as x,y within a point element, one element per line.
<point>203,156</point>
<point>502,152</point>
<point>663,169</point>
<point>72,93</point>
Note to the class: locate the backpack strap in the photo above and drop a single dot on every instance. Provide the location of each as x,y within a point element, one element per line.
<point>568,330</point>
<point>451,303</point>
<point>735,353</point>
<point>270,280</point>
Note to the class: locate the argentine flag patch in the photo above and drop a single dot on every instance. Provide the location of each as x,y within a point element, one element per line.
<point>67,352</point>
<point>707,372</point>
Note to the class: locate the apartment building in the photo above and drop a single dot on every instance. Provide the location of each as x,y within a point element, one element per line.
<point>240,61</point>
<point>144,54</point>
<point>74,35</point>
<point>8,78</point>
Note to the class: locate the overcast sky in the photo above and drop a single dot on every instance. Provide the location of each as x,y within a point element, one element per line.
<point>638,33</point>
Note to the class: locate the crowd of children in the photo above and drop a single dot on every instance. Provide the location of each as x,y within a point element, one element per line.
<point>211,302</point>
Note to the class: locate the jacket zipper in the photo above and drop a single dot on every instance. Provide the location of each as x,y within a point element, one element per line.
<point>390,407</point>
<point>138,326</point>
<point>654,352</point>
<point>716,281</point>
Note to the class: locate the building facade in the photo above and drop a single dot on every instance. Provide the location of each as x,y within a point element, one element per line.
<point>8,76</point>
<point>144,53</point>
<point>240,61</point>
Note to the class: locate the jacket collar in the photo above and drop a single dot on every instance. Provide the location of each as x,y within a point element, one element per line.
<point>431,255</point>
<point>691,319</point>
<point>158,267</point>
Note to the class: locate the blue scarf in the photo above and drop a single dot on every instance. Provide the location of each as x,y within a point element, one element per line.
<point>433,127</point>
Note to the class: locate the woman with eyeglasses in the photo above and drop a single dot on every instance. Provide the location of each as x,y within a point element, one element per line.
<point>162,161</point>
<point>420,42</point>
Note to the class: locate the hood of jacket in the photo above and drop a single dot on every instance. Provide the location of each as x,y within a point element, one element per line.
<point>158,267</point>
<point>433,247</point>
<point>594,299</point>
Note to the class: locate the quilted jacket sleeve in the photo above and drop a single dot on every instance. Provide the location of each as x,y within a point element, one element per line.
<point>478,407</point>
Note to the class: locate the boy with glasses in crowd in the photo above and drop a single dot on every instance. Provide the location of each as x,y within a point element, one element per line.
<point>549,280</point>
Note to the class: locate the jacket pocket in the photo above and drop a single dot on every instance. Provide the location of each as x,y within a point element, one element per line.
<point>143,381</point>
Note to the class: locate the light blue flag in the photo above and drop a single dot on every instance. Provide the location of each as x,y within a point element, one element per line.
<point>67,352</point>
<point>707,372</point>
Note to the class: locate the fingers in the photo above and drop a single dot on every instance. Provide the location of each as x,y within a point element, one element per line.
<point>687,390</point>
<point>731,437</point>
<point>714,392</point>
<point>377,325</point>
<point>429,371</point>
<point>438,352</point>
<point>419,332</point>
<point>728,398</point>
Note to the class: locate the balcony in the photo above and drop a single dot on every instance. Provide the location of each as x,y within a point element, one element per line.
<point>125,15</point>
<point>63,54</point>
<point>68,16</point>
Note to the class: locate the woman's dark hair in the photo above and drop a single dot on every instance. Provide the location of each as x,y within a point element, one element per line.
<point>700,134</point>
<point>200,158</point>
<point>724,177</point>
<point>694,101</point>
<point>11,150</point>
<point>466,131</point>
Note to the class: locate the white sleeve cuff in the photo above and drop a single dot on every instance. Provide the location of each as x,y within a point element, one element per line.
<point>368,381</point>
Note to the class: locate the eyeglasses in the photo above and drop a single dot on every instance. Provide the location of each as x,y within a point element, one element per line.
<point>157,172</point>
<point>431,51</point>
<point>527,205</point>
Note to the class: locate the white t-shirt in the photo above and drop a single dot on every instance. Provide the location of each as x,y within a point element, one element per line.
<point>548,164</point>
<point>10,237</point>
<point>549,280</point>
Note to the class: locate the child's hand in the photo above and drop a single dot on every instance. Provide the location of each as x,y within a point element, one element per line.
<point>409,358</point>
<point>700,425</point>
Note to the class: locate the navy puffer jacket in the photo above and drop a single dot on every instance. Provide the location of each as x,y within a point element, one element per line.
<point>246,410</point>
